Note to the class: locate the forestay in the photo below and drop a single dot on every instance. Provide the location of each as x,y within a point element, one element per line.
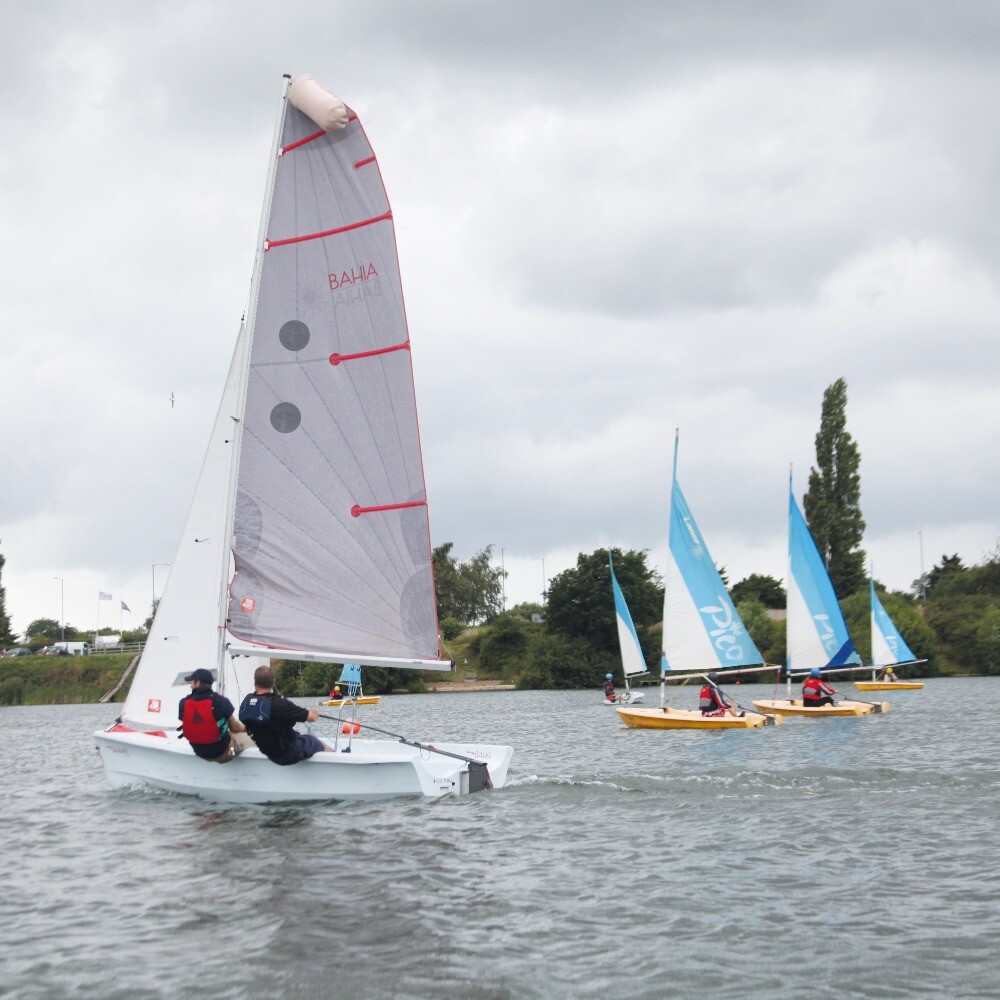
<point>185,630</point>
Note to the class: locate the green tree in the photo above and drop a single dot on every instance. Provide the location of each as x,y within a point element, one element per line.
<point>527,610</point>
<point>7,637</point>
<point>581,604</point>
<point>756,587</point>
<point>471,592</point>
<point>833,500</point>
<point>503,644</point>
<point>905,615</point>
<point>559,661</point>
<point>988,638</point>
<point>451,628</point>
<point>42,632</point>
<point>768,635</point>
<point>946,577</point>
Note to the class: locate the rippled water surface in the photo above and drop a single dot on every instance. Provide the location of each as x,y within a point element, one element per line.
<point>841,857</point>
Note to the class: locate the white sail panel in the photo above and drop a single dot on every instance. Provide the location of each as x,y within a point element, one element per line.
<point>185,632</point>
<point>702,630</point>
<point>816,631</point>
<point>633,661</point>
<point>888,646</point>
<point>331,534</point>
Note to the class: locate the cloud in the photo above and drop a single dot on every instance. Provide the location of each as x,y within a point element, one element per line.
<point>611,222</point>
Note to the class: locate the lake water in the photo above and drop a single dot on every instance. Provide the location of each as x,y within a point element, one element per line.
<point>832,858</point>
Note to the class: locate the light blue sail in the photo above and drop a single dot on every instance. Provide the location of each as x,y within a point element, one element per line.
<point>888,646</point>
<point>702,630</point>
<point>633,661</point>
<point>351,676</point>
<point>817,633</point>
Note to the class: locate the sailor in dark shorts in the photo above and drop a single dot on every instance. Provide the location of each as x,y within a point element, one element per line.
<point>270,719</point>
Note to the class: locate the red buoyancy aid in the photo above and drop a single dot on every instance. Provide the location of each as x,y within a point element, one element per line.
<point>199,724</point>
<point>813,689</point>
<point>709,700</point>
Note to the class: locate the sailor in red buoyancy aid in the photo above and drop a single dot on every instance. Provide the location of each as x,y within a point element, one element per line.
<point>712,701</point>
<point>208,721</point>
<point>815,691</point>
<point>609,687</point>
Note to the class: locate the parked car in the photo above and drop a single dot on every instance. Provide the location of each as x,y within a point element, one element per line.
<point>18,651</point>
<point>57,651</point>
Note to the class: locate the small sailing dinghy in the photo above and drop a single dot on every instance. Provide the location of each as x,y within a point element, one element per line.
<point>702,630</point>
<point>633,661</point>
<point>889,650</point>
<point>817,632</point>
<point>308,535</point>
<point>352,692</point>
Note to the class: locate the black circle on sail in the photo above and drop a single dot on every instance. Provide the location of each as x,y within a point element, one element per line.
<point>285,418</point>
<point>294,335</point>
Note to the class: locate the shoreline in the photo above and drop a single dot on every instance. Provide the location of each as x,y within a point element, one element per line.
<point>449,687</point>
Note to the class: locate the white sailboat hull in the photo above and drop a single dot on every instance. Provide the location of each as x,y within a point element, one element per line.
<point>628,698</point>
<point>374,769</point>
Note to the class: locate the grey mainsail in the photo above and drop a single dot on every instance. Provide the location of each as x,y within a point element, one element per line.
<point>330,535</point>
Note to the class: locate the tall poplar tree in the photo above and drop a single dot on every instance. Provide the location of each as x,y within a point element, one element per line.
<point>833,501</point>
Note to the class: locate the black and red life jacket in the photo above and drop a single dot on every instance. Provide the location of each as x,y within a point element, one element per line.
<point>813,689</point>
<point>709,700</point>
<point>199,724</point>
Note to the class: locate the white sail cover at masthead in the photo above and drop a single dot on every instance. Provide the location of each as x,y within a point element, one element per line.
<point>331,536</point>
<point>702,630</point>
<point>888,646</point>
<point>633,661</point>
<point>816,630</point>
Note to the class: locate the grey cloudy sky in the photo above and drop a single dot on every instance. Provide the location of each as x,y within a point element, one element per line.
<point>613,220</point>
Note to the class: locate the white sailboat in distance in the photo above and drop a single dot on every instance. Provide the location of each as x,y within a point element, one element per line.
<point>308,535</point>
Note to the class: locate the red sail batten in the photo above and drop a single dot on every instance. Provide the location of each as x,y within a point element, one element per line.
<point>301,142</point>
<point>311,138</point>
<point>270,244</point>
<point>364,163</point>
<point>335,359</point>
<point>357,510</point>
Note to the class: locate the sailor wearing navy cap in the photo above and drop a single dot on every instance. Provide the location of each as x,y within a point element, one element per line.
<point>208,721</point>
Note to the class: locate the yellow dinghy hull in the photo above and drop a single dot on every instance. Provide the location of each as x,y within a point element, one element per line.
<point>675,718</point>
<point>368,699</point>
<point>889,685</point>
<point>795,707</point>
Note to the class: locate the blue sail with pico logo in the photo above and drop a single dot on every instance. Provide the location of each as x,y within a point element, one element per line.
<point>817,632</point>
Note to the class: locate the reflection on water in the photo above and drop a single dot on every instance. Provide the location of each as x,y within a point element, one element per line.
<point>818,858</point>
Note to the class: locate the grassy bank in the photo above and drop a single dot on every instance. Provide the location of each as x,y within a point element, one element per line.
<point>62,680</point>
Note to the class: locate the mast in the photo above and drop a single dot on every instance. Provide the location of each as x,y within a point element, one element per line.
<point>246,335</point>
<point>788,590</point>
